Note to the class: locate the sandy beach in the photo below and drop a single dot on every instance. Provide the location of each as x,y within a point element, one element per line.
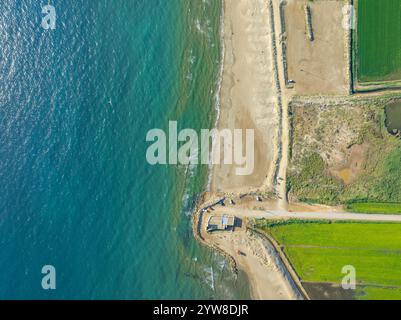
<point>267,275</point>
<point>248,96</point>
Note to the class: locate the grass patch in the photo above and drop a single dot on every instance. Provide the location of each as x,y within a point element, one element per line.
<point>374,207</point>
<point>381,181</point>
<point>313,184</point>
<point>319,251</point>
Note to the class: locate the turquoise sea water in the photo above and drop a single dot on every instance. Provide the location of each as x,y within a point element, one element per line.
<point>76,191</point>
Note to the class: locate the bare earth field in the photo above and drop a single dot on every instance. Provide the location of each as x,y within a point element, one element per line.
<point>319,66</point>
<point>247,95</point>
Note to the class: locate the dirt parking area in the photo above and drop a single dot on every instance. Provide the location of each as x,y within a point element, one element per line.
<point>318,66</point>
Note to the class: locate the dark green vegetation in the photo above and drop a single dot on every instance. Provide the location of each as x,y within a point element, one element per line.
<point>381,180</point>
<point>378,42</point>
<point>319,250</point>
<point>311,184</point>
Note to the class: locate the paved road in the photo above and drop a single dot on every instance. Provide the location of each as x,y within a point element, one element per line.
<point>271,214</point>
<point>281,214</point>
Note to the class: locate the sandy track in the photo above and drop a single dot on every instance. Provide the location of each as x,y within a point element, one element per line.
<point>331,216</point>
<point>284,97</point>
<point>319,213</point>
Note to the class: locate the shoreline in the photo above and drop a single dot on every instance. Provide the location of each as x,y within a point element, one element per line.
<point>217,105</point>
<point>250,89</point>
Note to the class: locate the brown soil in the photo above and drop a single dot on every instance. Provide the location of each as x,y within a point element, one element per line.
<point>319,66</point>
<point>354,164</point>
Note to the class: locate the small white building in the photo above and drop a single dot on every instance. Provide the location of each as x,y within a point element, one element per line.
<point>220,223</point>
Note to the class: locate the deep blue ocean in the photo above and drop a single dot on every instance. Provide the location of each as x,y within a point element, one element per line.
<point>76,191</point>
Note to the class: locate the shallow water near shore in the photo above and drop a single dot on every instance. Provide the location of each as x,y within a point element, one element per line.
<point>76,191</point>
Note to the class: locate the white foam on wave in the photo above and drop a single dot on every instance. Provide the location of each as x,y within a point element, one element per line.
<point>190,171</point>
<point>209,278</point>
<point>217,98</point>
<point>198,26</point>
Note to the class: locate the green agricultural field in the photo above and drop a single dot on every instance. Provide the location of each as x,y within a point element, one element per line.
<point>319,250</point>
<point>375,207</point>
<point>378,40</point>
